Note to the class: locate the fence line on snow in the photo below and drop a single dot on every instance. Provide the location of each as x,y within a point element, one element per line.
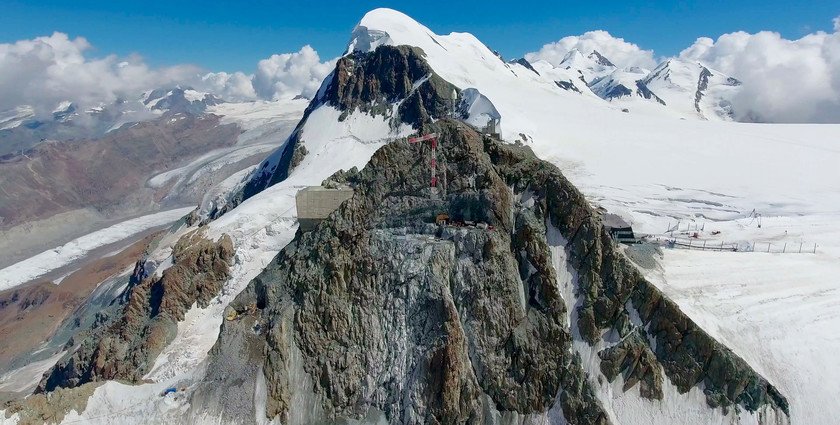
<point>769,247</point>
<point>786,248</point>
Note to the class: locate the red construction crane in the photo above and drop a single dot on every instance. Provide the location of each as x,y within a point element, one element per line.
<point>432,137</point>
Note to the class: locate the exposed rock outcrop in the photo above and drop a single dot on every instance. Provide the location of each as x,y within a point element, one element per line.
<point>611,291</point>
<point>50,408</point>
<point>398,318</point>
<point>468,340</point>
<point>371,83</point>
<point>632,357</point>
<point>126,347</point>
<point>645,92</point>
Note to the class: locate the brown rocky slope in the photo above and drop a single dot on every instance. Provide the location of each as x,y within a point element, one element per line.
<point>126,347</point>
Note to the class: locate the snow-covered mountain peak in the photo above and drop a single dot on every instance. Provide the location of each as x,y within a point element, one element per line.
<point>683,73</point>
<point>623,83</point>
<point>178,100</point>
<point>591,65</point>
<point>577,59</point>
<point>65,111</point>
<point>600,59</point>
<point>678,74</point>
<point>385,26</point>
<point>694,88</point>
<point>687,89</point>
<point>572,58</point>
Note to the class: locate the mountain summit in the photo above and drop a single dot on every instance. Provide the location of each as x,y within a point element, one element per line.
<point>498,294</point>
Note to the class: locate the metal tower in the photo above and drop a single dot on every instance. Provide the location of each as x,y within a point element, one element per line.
<point>431,137</point>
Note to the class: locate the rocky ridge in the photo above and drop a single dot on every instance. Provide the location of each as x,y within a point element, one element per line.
<point>397,319</point>
<point>394,82</point>
<point>125,346</point>
<point>380,315</point>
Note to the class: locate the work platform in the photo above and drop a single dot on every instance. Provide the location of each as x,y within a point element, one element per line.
<point>315,203</point>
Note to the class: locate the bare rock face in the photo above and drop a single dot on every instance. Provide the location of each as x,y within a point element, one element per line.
<point>632,357</point>
<point>396,319</point>
<point>393,315</point>
<point>126,347</point>
<point>371,83</point>
<point>50,408</point>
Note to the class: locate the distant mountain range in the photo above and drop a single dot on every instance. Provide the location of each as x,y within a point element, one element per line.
<point>678,87</point>
<point>497,294</point>
<point>21,129</point>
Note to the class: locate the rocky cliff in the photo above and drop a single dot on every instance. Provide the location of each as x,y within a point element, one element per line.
<point>125,347</point>
<point>394,82</point>
<point>381,315</point>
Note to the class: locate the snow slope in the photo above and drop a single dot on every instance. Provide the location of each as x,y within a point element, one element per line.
<point>779,312</point>
<point>693,89</point>
<point>653,169</point>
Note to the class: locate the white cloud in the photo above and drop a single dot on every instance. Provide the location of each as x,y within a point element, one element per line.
<point>280,76</point>
<point>45,71</point>
<point>783,80</point>
<point>291,74</point>
<point>618,51</point>
<point>235,86</point>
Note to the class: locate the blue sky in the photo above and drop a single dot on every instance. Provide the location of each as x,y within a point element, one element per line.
<point>229,36</point>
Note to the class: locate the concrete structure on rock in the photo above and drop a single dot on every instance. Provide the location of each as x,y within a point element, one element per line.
<point>619,229</point>
<point>316,203</point>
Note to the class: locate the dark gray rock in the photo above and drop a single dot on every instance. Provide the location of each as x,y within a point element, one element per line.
<point>394,315</point>
<point>567,85</point>
<point>632,357</point>
<point>607,281</point>
<point>371,83</point>
<point>424,325</point>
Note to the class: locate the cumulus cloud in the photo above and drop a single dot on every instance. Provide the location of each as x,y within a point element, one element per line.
<point>233,86</point>
<point>280,76</point>
<point>46,71</point>
<point>291,74</point>
<point>620,52</point>
<point>783,80</point>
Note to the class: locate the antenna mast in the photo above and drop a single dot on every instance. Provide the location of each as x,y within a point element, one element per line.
<point>432,138</point>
